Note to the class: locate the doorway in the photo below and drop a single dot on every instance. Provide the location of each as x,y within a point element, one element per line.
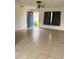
<point>33,19</point>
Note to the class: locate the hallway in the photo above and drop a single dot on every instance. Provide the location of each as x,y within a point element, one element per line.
<point>39,44</point>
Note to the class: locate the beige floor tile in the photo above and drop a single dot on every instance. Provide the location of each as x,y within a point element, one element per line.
<point>42,57</point>
<point>20,55</point>
<point>31,57</point>
<point>39,43</point>
<point>52,57</point>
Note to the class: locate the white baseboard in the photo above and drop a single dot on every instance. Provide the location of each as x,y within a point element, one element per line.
<point>52,27</point>
<point>20,28</point>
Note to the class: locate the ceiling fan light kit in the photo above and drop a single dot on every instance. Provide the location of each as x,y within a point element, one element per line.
<point>40,4</point>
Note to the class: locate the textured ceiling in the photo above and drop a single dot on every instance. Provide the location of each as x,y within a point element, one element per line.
<point>47,3</point>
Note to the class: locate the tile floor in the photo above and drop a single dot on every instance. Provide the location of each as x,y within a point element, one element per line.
<point>39,44</point>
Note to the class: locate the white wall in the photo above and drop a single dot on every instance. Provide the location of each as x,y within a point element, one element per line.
<point>20,17</point>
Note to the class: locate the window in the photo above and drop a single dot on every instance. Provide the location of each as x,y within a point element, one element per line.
<point>52,18</point>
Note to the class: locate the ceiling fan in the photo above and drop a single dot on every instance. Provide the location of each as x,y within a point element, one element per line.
<point>39,4</point>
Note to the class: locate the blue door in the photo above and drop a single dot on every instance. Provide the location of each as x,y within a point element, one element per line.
<point>30,19</point>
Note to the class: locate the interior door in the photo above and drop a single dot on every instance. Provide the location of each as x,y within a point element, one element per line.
<point>30,19</point>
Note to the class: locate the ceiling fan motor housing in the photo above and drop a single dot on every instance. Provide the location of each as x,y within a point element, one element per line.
<point>39,3</point>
